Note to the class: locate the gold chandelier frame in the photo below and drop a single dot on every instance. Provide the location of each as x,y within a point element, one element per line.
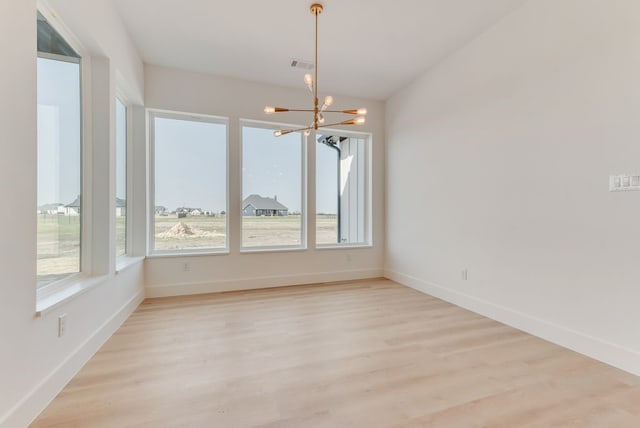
<point>312,84</point>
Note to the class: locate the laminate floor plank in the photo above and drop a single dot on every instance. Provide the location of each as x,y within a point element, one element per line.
<point>356,354</point>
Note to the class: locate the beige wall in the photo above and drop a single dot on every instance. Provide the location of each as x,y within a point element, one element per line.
<point>184,91</point>
<point>498,161</point>
<point>34,363</point>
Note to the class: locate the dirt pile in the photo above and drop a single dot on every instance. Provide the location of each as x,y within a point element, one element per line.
<point>178,230</point>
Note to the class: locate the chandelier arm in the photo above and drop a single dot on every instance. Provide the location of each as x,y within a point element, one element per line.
<point>350,111</point>
<point>306,128</point>
<point>295,109</point>
<point>345,122</point>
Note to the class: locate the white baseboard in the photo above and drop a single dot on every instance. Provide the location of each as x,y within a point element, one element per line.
<point>260,282</point>
<point>27,409</point>
<point>594,347</point>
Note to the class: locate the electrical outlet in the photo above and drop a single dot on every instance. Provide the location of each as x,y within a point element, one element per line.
<point>62,325</point>
<point>464,274</point>
<point>186,267</point>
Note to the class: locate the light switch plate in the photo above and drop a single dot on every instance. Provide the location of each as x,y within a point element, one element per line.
<point>624,182</point>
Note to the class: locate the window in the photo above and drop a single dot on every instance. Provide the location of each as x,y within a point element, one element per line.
<point>59,157</point>
<point>190,183</point>
<point>121,178</point>
<point>272,183</point>
<point>342,183</point>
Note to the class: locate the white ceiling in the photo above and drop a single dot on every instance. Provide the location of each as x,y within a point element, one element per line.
<point>367,48</point>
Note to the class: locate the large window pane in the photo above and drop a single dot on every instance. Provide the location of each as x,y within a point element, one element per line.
<point>341,189</point>
<point>190,183</point>
<point>271,188</point>
<point>121,178</point>
<point>59,190</point>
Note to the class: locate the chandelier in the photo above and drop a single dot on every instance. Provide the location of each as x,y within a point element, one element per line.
<point>318,111</point>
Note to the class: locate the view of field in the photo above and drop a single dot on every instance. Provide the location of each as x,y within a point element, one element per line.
<point>58,247</point>
<point>197,232</point>
<point>59,237</point>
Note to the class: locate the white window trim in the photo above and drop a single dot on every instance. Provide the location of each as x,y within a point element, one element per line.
<point>126,102</point>
<point>57,292</point>
<point>152,114</point>
<point>303,187</point>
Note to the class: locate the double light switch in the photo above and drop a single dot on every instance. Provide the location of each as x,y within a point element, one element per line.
<point>623,183</point>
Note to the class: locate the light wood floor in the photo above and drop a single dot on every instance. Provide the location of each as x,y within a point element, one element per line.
<point>364,354</point>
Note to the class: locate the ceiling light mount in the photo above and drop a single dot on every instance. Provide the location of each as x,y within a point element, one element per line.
<point>311,81</point>
<point>316,9</point>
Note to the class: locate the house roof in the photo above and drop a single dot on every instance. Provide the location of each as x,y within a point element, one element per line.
<point>50,207</point>
<point>263,203</point>
<point>75,203</point>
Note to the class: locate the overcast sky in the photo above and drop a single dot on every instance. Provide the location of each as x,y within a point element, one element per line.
<point>190,161</point>
<point>121,150</point>
<point>58,131</point>
<point>190,156</point>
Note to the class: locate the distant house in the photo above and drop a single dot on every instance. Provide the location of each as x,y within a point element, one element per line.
<point>184,211</point>
<point>73,209</point>
<point>161,210</point>
<point>256,205</point>
<point>121,207</point>
<point>52,209</point>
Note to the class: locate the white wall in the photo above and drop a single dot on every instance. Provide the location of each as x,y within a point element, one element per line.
<point>184,91</point>
<point>34,363</point>
<point>498,161</point>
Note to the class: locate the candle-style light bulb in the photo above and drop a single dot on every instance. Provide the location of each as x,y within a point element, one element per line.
<point>308,80</point>
<point>360,120</point>
<point>361,111</point>
<point>321,118</point>
<point>328,100</point>
<point>277,133</point>
<point>269,110</point>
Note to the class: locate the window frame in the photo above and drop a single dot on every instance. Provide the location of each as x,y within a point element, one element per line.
<point>368,195</point>
<point>153,114</point>
<point>125,101</point>
<point>46,291</point>
<point>304,159</point>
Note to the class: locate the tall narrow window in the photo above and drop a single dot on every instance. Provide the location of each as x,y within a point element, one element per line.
<point>121,178</point>
<point>190,183</point>
<point>59,122</point>
<point>342,177</point>
<point>272,198</point>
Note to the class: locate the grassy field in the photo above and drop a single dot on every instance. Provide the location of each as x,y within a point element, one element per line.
<point>59,237</point>
<point>58,247</point>
<point>210,232</point>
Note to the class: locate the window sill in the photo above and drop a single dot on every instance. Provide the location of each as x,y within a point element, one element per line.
<point>343,246</point>
<point>258,250</point>
<point>222,252</point>
<point>125,262</point>
<point>50,301</point>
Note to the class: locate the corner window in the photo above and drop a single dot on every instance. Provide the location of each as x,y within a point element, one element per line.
<point>189,183</point>
<point>59,157</point>
<point>121,178</point>
<point>342,189</point>
<point>272,188</point>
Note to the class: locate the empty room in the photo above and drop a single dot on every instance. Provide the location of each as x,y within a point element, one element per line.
<point>243,214</point>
